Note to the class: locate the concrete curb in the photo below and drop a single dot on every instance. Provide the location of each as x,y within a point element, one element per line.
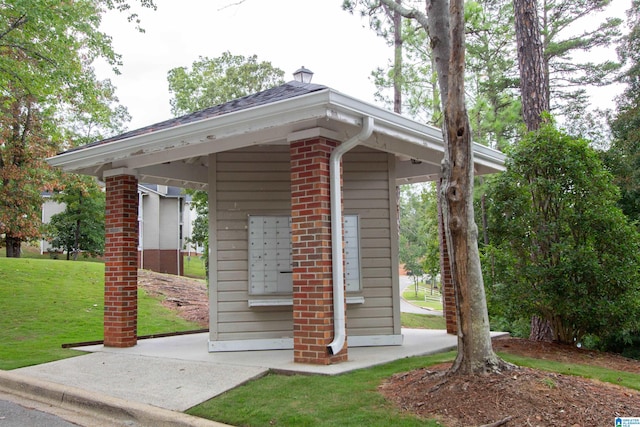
<point>112,410</point>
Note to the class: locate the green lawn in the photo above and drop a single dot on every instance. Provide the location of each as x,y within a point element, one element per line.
<point>194,267</point>
<point>352,399</point>
<point>46,303</point>
<point>27,251</point>
<point>423,298</point>
<point>345,400</point>
<point>625,379</point>
<point>422,321</point>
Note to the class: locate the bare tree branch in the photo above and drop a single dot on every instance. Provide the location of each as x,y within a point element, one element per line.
<point>410,13</point>
<point>238,3</point>
<point>498,423</point>
<point>17,23</point>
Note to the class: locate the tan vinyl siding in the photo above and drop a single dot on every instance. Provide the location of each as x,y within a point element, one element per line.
<point>366,192</point>
<point>250,181</point>
<point>256,181</point>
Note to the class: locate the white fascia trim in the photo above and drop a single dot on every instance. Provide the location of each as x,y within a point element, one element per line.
<point>488,157</point>
<point>142,188</point>
<point>395,125</point>
<point>326,103</point>
<point>310,106</point>
<point>385,119</point>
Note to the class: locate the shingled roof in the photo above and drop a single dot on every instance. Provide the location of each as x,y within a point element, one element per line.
<point>288,90</point>
<point>169,152</point>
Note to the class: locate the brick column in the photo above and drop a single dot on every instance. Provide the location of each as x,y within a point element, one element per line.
<point>448,293</point>
<point>121,262</point>
<point>311,248</point>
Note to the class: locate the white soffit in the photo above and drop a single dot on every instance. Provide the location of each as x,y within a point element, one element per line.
<point>277,120</point>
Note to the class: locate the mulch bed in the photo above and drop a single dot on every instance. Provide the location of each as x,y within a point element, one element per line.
<point>189,298</point>
<point>522,397</point>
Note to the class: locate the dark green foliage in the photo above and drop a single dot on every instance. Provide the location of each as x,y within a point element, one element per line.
<point>418,245</point>
<point>51,98</point>
<point>571,30</point>
<point>492,81</point>
<point>80,228</point>
<point>561,248</point>
<point>215,81</point>
<point>200,232</point>
<point>623,157</point>
<point>417,81</point>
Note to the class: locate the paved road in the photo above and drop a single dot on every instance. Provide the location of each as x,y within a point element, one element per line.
<point>407,307</point>
<point>14,415</point>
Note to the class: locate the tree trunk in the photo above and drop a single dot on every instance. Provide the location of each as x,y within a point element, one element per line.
<point>14,246</point>
<point>541,329</point>
<point>485,222</point>
<point>534,87</point>
<point>564,333</point>
<point>436,115</point>
<point>397,61</point>
<point>475,352</point>
<point>440,37</point>
<point>397,84</point>
<point>533,83</point>
<point>76,240</point>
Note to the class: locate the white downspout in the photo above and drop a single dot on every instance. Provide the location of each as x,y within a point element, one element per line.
<point>141,227</point>
<point>180,233</point>
<point>339,324</point>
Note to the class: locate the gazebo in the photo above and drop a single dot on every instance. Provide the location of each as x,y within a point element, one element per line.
<point>303,220</point>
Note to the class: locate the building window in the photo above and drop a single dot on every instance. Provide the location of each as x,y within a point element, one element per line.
<point>270,257</point>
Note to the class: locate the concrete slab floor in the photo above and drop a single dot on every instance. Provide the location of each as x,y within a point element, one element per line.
<point>177,373</point>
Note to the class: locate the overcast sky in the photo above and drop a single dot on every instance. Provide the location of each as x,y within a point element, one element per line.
<point>338,47</point>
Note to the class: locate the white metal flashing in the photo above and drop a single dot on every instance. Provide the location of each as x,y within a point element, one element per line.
<point>287,343</point>
<point>374,340</point>
<point>284,302</point>
<point>118,172</point>
<point>313,133</point>
<point>251,345</point>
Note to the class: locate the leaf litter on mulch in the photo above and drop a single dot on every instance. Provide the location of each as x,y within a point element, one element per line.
<point>528,397</point>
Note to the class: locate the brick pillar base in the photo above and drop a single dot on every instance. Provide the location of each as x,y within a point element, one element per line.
<point>311,248</point>
<point>121,262</point>
<point>448,293</point>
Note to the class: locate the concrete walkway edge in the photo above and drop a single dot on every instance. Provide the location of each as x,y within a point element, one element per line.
<point>110,409</point>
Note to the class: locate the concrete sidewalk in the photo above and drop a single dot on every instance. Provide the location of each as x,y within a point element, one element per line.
<point>177,373</point>
<point>149,383</point>
<point>89,408</point>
